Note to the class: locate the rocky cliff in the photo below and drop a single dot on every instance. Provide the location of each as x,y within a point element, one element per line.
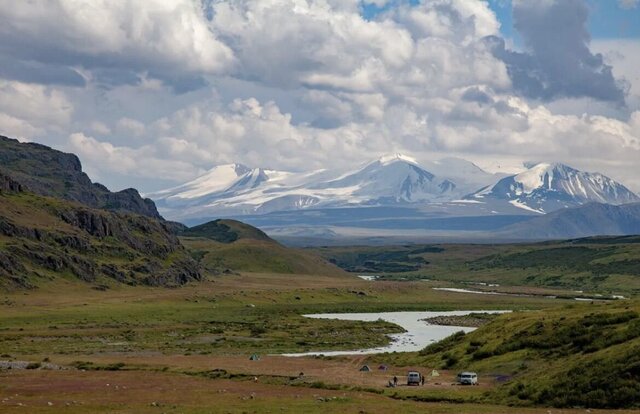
<point>45,171</point>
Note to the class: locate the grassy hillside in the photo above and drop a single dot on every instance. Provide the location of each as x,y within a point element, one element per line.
<point>224,246</point>
<point>584,355</point>
<point>43,238</point>
<point>599,264</point>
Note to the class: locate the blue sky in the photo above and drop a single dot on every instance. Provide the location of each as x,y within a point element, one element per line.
<point>607,20</point>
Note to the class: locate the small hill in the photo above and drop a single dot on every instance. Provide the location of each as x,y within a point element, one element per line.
<point>226,231</point>
<point>588,220</point>
<point>223,246</point>
<point>48,172</point>
<point>582,355</point>
<point>44,238</point>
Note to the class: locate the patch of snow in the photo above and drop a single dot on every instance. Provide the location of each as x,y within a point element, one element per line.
<point>523,206</point>
<point>388,159</point>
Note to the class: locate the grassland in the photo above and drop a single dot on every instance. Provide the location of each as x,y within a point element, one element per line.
<point>186,350</point>
<point>597,265</point>
<point>202,334</point>
<point>256,255</point>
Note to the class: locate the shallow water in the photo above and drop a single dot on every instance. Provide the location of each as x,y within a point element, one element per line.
<point>419,333</point>
<point>369,278</point>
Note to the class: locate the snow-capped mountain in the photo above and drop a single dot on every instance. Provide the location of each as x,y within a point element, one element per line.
<point>235,189</point>
<point>547,187</point>
<point>390,179</point>
<point>216,179</point>
<point>445,188</point>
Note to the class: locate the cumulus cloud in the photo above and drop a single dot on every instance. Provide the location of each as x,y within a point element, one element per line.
<point>35,105</point>
<point>169,38</point>
<point>104,159</point>
<point>558,62</point>
<point>160,91</point>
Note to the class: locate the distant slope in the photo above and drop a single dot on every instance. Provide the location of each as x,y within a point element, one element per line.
<point>605,265</point>
<point>43,238</point>
<point>223,246</point>
<point>48,172</point>
<point>582,355</point>
<point>589,220</point>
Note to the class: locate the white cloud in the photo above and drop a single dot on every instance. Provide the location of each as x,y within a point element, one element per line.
<point>17,128</point>
<point>105,159</point>
<point>130,127</point>
<point>168,37</point>
<point>99,128</point>
<point>298,85</point>
<point>35,107</point>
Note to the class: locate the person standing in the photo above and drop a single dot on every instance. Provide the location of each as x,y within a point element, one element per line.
<point>422,379</point>
<point>395,381</point>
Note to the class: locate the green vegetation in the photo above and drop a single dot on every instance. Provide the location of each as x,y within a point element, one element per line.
<point>379,259</point>
<point>43,238</point>
<point>226,231</point>
<point>579,355</point>
<point>258,256</point>
<point>607,265</point>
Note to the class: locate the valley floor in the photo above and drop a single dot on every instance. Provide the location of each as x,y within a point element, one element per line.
<point>186,350</point>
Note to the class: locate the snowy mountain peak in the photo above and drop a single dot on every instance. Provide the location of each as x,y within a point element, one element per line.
<point>542,175</point>
<point>546,187</point>
<point>216,179</point>
<point>391,158</point>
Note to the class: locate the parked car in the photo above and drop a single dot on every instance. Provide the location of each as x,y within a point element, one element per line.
<point>468,378</point>
<point>414,378</point>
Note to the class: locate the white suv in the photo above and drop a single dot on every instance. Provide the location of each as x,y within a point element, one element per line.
<point>468,378</point>
<point>413,378</point>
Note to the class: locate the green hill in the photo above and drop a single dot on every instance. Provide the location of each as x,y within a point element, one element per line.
<point>582,355</point>
<point>54,222</point>
<point>42,238</point>
<point>232,246</point>
<point>226,231</point>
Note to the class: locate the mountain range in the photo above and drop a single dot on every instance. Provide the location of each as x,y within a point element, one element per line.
<point>392,193</point>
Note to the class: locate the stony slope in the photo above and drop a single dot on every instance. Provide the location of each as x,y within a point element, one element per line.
<point>43,238</point>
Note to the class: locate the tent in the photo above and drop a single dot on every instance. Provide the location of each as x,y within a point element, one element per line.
<point>383,368</point>
<point>255,357</point>
<point>435,373</point>
<point>365,368</point>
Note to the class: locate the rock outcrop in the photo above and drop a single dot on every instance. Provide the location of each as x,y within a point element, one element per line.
<point>48,172</point>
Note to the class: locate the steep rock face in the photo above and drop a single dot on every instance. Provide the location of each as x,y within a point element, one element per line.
<point>45,171</point>
<point>7,184</point>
